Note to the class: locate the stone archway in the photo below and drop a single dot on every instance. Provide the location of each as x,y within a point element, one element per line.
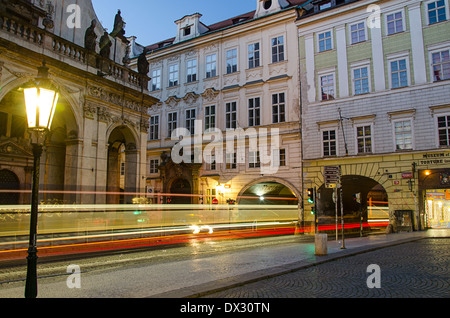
<point>10,182</point>
<point>269,191</point>
<point>59,161</point>
<point>123,157</point>
<point>183,188</point>
<point>360,196</point>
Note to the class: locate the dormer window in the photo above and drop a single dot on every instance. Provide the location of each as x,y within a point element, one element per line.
<point>267,4</point>
<point>187,31</point>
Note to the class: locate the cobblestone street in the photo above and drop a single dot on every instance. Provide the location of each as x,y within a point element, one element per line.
<point>416,269</point>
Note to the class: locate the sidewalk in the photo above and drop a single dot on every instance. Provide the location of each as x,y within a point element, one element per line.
<point>203,276</point>
<point>353,246</point>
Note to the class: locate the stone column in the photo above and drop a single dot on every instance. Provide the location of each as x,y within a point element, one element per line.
<point>131,171</point>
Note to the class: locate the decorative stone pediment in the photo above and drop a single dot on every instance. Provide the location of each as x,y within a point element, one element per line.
<point>172,101</point>
<point>210,94</point>
<point>190,98</point>
<point>11,148</point>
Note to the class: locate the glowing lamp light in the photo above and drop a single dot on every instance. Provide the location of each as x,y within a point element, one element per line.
<point>40,101</point>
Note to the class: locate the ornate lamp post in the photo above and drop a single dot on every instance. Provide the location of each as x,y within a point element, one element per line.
<point>40,100</point>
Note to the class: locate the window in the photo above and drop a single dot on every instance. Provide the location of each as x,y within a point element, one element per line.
<point>231,61</point>
<point>361,80</point>
<point>325,41</point>
<point>156,80</point>
<point>278,49</point>
<point>444,131</point>
<point>358,32</point>
<point>154,128</point>
<point>210,162</point>
<point>231,115</point>
<point>278,108</point>
<point>210,117</point>
<point>122,168</point>
<point>172,122</point>
<point>327,86</point>
<point>253,55</point>
<point>230,161</point>
<point>399,73</point>
<point>436,11</point>
<point>190,120</point>
<point>173,75</point>
<point>154,164</point>
<point>329,143</point>
<point>403,135</point>
<point>254,112</point>
<point>364,139</point>
<point>191,70</point>
<point>280,157</point>
<point>187,31</point>
<point>211,65</point>
<point>254,159</point>
<point>394,23</point>
<point>441,65</point>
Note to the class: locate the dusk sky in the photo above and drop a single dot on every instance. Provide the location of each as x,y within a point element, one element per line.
<point>153,21</point>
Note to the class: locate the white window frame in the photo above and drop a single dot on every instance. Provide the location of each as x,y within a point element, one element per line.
<point>447,11</point>
<point>153,130</point>
<point>394,133</point>
<point>254,110</point>
<point>172,123</point>
<point>395,58</point>
<point>230,160</point>
<point>174,75</point>
<point>153,166</point>
<point>231,65</point>
<point>191,71</point>
<point>322,131</point>
<point>281,115</point>
<point>281,53</point>
<point>360,65</point>
<point>438,141</point>
<point>210,162</point>
<point>211,65</point>
<point>156,80</point>
<point>229,122</point>
<point>189,120</point>
<point>359,125</point>
<point>321,74</point>
<point>256,55</point>
<point>254,159</point>
<point>402,11</point>
<point>210,119</point>
<point>432,49</point>
<point>350,32</point>
<point>318,40</point>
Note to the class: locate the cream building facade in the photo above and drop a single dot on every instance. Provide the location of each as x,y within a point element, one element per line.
<point>375,95</point>
<point>241,73</point>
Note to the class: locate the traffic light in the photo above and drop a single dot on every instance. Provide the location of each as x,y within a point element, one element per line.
<point>313,210</point>
<point>311,196</point>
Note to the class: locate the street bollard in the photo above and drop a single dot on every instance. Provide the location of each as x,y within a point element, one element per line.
<point>321,244</point>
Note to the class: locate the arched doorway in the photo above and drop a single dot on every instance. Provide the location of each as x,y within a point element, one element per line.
<point>122,170</point>
<point>183,188</point>
<point>361,196</point>
<point>268,193</point>
<point>10,182</point>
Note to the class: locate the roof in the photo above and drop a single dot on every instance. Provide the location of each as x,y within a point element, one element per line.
<point>223,24</point>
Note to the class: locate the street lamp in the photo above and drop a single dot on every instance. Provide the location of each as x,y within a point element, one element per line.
<point>41,98</point>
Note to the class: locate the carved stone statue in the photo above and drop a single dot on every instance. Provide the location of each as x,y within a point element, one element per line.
<point>105,45</point>
<point>119,26</point>
<point>143,65</point>
<point>90,37</point>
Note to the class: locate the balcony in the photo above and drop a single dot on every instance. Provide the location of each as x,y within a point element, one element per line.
<point>39,40</point>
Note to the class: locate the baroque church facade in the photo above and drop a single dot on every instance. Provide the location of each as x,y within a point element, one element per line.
<point>101,119</point>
